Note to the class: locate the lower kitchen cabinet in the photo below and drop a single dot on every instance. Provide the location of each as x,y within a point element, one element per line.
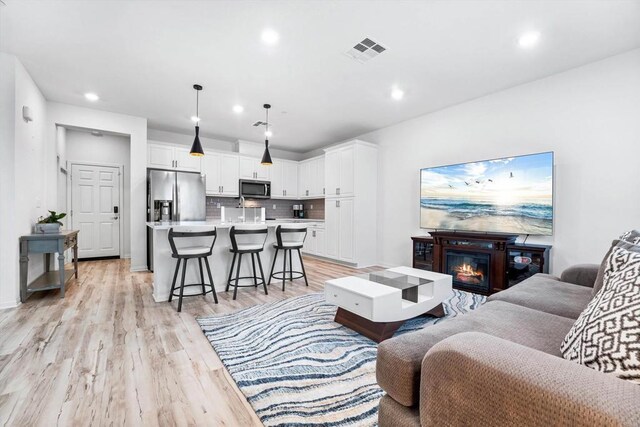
<point>339,217</point>
<point>315,242</point>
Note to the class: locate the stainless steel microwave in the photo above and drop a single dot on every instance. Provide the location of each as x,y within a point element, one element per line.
<point>255,189</point>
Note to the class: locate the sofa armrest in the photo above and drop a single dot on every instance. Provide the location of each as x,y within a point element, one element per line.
<point>581,274</point>
<point>476,379</point>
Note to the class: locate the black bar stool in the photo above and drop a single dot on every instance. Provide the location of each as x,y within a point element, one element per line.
<point>247,239</point>
<point>192,252</point>
<point>289,237</point>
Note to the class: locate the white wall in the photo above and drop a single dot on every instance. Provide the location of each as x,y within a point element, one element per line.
<point>136,128</point>
<point>108,149</point>
<point>590,117</point>
<point>26,193</point>
<point>8,243</point>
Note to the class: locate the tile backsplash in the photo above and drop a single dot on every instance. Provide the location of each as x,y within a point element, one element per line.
<point>314,209</point>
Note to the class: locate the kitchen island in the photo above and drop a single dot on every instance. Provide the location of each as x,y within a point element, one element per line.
<point>220,260</point>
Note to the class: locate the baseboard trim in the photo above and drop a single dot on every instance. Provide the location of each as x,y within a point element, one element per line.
<point>5,305</point>
<point>335,261</point>
<point>138,268</point>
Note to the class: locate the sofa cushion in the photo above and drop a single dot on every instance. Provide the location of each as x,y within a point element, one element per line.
<point>547,293</point>
<point>391,413</point>
<point>606,336</point>
<point>399,358</point>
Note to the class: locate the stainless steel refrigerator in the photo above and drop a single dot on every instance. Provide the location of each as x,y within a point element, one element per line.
<point>173,196</point>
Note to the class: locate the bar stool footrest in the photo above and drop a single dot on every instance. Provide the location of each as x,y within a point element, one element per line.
<point>235,280</point>
<point>176,292</point>
<point>300,275</point>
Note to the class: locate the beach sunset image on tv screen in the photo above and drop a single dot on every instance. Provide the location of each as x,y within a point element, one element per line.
<point>510,195</point>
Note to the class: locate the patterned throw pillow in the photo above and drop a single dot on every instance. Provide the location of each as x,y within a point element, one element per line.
<point>631,236</point>
<point>606,336</point>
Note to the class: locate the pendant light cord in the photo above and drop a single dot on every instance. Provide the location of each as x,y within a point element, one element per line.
<point>198,105</point>
<point>267,131</point>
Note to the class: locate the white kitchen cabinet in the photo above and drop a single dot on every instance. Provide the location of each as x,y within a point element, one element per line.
<point>339,222</point>
<point>314,244</point>
<point>160,156</point>
<point>251,168</point>
<point>317,170</point>
<point>187,162</point>
<point>320,245</point>
<point>332,228</point>
<point>350,206</point>
<point>290,179</point>
<point>221,171</point>
<point>167,156</point>
<point>284,179</point>
<point>311,178</point>
<point>304,175</point>
<point>310,243</point>
<point>339,170</point>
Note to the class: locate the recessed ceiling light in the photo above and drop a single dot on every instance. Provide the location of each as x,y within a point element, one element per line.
<point>268,134</point>
<point>269,36</point>
<point>529,39</point>
<point>238,108</point>
<point>195,119</point>
<point>91,96</point>
<point>397,94</point>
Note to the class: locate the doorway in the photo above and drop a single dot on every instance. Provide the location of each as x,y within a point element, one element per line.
<point>96,202</point>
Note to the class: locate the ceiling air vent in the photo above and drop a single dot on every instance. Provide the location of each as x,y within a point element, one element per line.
<point>259,123</point>
<point>365,50</point>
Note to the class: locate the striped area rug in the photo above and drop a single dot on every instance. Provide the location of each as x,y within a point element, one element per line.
<point>296,366</point>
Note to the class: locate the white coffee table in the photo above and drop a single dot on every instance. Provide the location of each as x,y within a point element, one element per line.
<point>377,304</point>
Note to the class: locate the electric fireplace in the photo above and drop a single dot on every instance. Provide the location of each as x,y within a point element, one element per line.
<point>469,270</point>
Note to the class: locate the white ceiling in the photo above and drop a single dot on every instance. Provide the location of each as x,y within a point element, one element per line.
<point>142,57</point>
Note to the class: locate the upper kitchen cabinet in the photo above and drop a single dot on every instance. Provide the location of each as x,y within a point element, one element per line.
<point>311,178</point>
<point>349,167</point>
<point>222,174</point>
<point>166,156</point>
<point>339,170</point>
<point>250,168</point>
<point>284,179</point>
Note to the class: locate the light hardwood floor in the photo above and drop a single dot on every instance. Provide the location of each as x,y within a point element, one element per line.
<point>107,354</point>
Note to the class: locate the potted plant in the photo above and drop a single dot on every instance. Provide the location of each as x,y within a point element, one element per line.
<point>50,224</point>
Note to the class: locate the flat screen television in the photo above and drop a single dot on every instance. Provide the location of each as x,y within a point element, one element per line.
<point>512,195</point>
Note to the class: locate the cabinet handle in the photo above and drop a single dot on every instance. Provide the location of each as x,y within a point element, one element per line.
<point>285,192</point>
<point>335,295</point>
<point>337,203</point>
<point>222,186</point>
<point>357,303</point>
<point>338,191</point>
<point>323,191</point>
<point>307,192</point>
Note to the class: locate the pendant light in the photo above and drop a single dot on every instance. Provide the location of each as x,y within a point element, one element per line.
<point>196,148</point>
<point>266,157</point>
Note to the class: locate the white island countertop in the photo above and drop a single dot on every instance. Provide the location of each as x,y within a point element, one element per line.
<point>165,225</point>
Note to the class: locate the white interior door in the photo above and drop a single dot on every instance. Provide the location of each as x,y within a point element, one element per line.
<point>95,192</point>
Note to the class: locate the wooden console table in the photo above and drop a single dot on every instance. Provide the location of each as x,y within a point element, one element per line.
<point>47,244</point>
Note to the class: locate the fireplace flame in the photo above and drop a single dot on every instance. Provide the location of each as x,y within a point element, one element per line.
<point>466,273</point>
